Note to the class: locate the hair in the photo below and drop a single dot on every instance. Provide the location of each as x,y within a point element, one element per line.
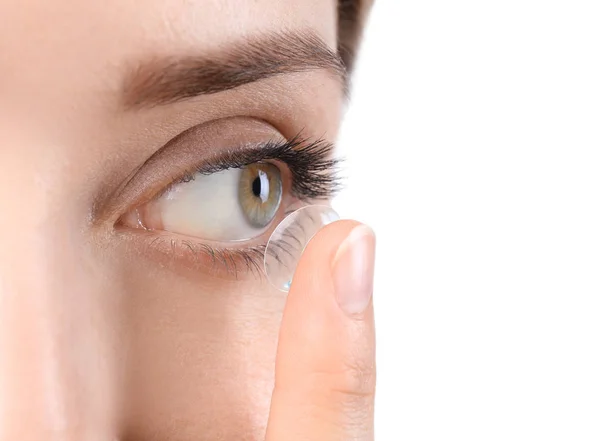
<point>352,15</point>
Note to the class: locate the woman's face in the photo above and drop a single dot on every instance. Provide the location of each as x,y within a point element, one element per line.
<point>131,301</point>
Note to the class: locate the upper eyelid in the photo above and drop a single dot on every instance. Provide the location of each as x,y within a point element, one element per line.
<point>235,140</point>
<point>183,151</point>
<point>313,171</point>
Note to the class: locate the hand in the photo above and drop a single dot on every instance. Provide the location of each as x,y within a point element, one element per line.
<point>325,369</point>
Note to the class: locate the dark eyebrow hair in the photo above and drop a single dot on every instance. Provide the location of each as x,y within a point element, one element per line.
<point>168,80</point>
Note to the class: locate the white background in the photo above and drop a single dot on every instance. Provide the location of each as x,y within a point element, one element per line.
<point>472,149</point>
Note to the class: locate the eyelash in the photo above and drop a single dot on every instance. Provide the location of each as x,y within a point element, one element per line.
<point>250,258</point>
<point>314,173</point>
<point>314,176</point>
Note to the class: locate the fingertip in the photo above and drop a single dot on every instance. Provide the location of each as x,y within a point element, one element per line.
<point>353,270</point>
<point>339,260</point>
<point>319,254</point>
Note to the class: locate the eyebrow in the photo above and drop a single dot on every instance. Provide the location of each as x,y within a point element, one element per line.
<point>167,80</point>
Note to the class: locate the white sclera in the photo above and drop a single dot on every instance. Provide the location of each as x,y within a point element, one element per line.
<point>288,241</point>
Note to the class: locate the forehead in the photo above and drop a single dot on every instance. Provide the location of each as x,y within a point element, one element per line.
<point>45,40</point>
<point>162,20</point>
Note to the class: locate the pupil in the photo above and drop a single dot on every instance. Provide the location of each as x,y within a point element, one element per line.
<point>256,186</point>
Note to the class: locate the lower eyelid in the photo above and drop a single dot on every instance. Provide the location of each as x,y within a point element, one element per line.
<point>181,253</point>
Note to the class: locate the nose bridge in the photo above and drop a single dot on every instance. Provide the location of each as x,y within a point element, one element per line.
<point>56,376</point>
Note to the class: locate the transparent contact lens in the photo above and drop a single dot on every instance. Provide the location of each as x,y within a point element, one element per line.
<point>288,241</point>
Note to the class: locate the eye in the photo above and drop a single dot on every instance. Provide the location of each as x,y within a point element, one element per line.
<point>229,205</point>
<point>210,196</point>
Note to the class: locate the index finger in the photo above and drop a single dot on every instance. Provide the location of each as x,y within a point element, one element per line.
<point>325,368</point>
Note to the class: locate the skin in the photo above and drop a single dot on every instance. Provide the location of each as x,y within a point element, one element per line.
<point>102,337</point>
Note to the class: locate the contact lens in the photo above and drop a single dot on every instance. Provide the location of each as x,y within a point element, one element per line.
<point>288,241</point>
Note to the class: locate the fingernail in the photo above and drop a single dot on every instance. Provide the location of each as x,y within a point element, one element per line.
<point>352,270</point>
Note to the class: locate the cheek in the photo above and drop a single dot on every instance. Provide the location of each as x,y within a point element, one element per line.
<point>199,356</point>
